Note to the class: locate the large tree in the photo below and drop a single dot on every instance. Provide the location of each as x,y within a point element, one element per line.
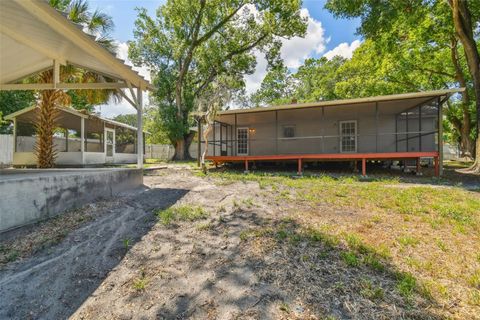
<point>421,37</point>
<point>466,18</point>
<point>190,44</point>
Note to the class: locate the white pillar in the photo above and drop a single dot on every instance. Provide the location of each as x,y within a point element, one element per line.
<point>139,128</point>
<point>15,134</point>
<point>82,139</point>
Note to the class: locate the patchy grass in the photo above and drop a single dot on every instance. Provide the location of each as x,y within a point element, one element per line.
<point>180,213</point>
<point>426,235</point>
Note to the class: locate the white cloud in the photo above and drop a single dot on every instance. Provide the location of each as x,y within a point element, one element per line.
<point>343,49</point>
<point>294,51</point>
<point>253,81</point>
<point>113,109</point>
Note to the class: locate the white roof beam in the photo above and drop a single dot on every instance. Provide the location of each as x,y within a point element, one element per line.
<point>44,12</point>
<point>64,86</point>
<point>30,42</point>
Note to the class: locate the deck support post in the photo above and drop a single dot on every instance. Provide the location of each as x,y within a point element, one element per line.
<point>418,166</point>
<point>437,169</point>
<point>355,166</point>
<point>246,166</point>
<point>300,171</point>
<point>364,167</point>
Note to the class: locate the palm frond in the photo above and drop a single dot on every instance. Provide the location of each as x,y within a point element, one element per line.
<point>100,22</point>
<point>78,12</point>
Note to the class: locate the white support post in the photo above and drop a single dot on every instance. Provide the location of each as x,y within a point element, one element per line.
<point>56,73</point>
<point>15,134</point>
<point>82,139</point>
<point>139,128</point>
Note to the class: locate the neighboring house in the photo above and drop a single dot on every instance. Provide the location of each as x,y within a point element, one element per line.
<point>394,127</point>
<point>81,139</point>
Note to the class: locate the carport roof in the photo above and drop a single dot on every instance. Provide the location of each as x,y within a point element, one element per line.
<point>33,35</point>
<point>414,96</point>
<point>65,117</point>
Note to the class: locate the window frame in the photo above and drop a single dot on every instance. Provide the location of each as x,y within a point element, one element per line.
<point>248,140</point>
<point>289,126</point>
<point>355,135</point>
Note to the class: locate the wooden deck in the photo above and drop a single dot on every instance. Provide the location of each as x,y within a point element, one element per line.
<point>333,157</point>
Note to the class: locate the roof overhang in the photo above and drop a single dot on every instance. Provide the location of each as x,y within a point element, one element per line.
<point>427,95</point>
<point>35,37</point>
<point>31,113</point>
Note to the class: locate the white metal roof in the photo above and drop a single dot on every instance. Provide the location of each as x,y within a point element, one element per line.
<point>33,35</point>
<point>393,97</point>
<point>70,111</point>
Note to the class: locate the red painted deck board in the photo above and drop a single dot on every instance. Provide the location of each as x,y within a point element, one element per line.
<point>329,156</point>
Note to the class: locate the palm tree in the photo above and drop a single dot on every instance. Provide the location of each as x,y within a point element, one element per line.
<point>98,24</point>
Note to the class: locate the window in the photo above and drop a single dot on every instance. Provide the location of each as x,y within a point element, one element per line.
<point>348,136</point>
<point>242,141</point>
<point>289,131</point>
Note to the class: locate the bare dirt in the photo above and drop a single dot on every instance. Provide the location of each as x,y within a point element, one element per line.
<point>205,269</point>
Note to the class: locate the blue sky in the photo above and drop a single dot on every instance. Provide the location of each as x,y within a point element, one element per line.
<point>326,36</point>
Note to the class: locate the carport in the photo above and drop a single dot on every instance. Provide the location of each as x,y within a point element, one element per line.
<point>34,37</point>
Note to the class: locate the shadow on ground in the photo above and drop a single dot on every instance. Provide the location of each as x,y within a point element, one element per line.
<point>271,269</point>
<point>55,282</point>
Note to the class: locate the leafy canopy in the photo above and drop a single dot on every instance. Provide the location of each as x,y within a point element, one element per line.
<point>191,46</point>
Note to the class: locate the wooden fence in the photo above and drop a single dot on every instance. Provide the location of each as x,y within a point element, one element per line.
<point>6,150</point>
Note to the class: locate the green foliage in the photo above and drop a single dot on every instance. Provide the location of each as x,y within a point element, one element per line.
<point>350,258</point>
<point>276,87</point>
<point>406,284</point>
<point>191,47</point>
<point>12,101</point>
<point>181,213</point>
<point>130,119</point>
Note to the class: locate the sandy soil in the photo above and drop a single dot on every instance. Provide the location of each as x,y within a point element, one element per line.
<point>203,269</point>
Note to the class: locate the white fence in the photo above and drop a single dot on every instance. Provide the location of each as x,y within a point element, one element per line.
<point>6,149</point>
<point>166,151</point>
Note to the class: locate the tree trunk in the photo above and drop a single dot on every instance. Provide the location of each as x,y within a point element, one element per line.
<point>182,146</point>
<point>464,29</point>
<point>464,126</point>
<point>45,148</point>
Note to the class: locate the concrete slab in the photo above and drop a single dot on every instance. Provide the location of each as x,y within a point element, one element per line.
<point>31,195</point>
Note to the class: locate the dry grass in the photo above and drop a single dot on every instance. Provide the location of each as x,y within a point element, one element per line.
<point>423,238</point>
<point>27,241</point>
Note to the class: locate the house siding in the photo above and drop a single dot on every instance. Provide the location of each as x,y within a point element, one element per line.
<point>317,129</point>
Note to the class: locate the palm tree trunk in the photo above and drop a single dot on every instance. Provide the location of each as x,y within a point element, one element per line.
<point>45,148</point>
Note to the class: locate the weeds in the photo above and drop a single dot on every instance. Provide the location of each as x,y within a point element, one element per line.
<point>140,283</point>
<point>181,213</point>
<point>350,258</point>
<point>406,284</point>
<point>126,243</point>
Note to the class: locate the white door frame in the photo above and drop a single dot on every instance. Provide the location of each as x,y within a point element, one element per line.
<point>109,158</point>
<point>248,141</point>
<point>341,135</point>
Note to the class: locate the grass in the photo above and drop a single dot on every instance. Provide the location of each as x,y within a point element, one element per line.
<point>425,235</point>
<point>140,283</point>
<point>457,206</point>
<point>180,213</point>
